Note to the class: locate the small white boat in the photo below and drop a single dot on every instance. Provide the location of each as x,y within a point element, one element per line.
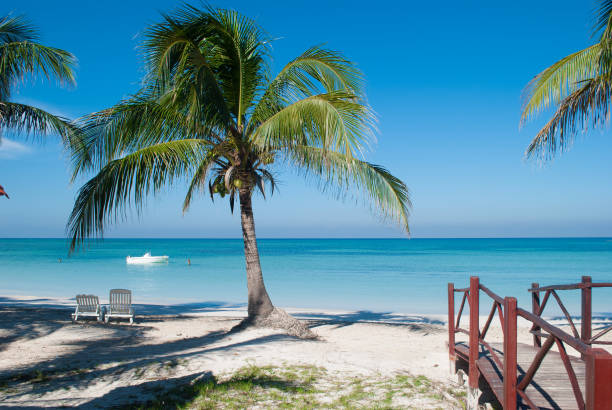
<point>146,258</point>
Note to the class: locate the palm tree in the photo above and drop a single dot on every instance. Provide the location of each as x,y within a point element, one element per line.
<point>209,109</point>
<point>20,56</point>
<point>580,85</point>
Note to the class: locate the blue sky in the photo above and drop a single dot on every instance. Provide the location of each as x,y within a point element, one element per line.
<point>444,77</point>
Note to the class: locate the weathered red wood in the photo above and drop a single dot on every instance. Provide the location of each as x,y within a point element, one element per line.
<point>473,372</point>
<point>595,371</point>
<point>535,307</point>
<point>601,285</point>
<point>451,322</point>
<point>494,355</point>
<point>526,399</point>
<point>598,377</point>
<point>535,364</point>
<point>571,286</point>
<point>571,374</point>
<point>492,294</point>
<point>485,329</point>
<point>501,318</point>
<point>543,304</point>
<point>509,369</point>
<point>567,315</point>
<point>600,334</point>
<point>465,294</point>
<point>558,333</point>
<point>586,311</point>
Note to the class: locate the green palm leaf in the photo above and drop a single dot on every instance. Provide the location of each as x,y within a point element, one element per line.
<point>587,105</point>
<point>388,194</point>
<point>559,80</point>
<point>21,55</point>
<point>21,118</point>
<point>130,125</point>
<point>579,85</point>
<point>334,120</point>
<point>128,180</point>
<point>316,71</point>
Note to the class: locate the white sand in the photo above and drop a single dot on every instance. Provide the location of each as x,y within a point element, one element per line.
<point>105,360</point>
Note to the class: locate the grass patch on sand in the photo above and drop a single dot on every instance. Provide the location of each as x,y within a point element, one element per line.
<point>306,387</point>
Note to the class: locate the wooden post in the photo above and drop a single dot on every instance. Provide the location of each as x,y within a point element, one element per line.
<point>598,376</point>
<point>587,313</point>
<point>451,327</point>
<point>510,370</point>
<point>535,308</point>
<point>474,332</point>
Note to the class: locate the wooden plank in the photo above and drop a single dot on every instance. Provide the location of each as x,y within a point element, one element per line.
<point>550,387</point>
<point>462,350</point>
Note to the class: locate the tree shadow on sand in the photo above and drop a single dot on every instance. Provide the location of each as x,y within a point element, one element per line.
<point>414,322</point>
<point>25,324</point>
<point>116,354</point>
<point>119,354</point>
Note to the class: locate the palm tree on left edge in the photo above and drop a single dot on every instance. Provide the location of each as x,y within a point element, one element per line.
<point>21,55</point>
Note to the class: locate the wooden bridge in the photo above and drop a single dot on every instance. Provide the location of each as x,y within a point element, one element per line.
<point>533,376</point>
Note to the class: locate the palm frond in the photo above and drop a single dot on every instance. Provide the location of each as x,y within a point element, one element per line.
<point>223,47</point>
<point>388,194</point>
<point>559,80</point>
<point>316,71</point>
<point>587,105</point>
<point>179,58</point>
<point>34,122</point>
<point>16,28</point>
<point>21,55</point>
<point>130,125</point>
<point>128,180</point>
<point>603,19</point>
<point>245,48</point>
<point>334,120</point>
<point>198,181</point>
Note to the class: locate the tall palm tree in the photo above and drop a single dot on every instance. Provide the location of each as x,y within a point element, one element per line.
<point>210,110</point>
<point>580,85</point>
<point>22,56</point>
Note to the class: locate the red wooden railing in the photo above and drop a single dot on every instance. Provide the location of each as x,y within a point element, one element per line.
<point>598,361</point>
<point>586,313</point>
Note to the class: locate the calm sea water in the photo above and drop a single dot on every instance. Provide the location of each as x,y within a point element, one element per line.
<point>396,275</point>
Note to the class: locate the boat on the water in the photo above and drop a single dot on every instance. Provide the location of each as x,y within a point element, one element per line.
<point>146,258</point>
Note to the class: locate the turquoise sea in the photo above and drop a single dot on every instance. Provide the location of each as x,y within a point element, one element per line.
<point>383,275</point>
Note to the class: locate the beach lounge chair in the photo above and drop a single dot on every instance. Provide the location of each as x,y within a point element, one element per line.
<point>120,305</point>
<point>88,306</point>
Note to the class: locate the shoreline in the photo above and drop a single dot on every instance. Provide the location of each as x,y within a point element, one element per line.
<point>231,310</point>
<point>239,310</point>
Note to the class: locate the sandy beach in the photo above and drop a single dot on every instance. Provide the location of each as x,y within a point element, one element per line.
<point>46,360</point>
<point>98,365</point>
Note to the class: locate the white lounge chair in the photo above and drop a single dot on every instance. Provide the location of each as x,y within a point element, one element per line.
<point>120,305</point>
<point>88,306</point>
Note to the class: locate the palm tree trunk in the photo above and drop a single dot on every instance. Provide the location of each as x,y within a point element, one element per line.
<point>259,301</point>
